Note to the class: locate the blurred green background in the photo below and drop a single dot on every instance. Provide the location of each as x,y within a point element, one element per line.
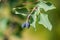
<point>42,33</point>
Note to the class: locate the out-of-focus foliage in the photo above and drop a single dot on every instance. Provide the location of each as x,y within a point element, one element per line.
<point>35,12</point>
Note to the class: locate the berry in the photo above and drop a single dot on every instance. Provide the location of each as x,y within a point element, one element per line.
<point>26,24</point>
<point>23,25</point>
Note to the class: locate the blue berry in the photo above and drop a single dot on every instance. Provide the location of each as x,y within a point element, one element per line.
<point>26,24</point>
<point>23,25</point>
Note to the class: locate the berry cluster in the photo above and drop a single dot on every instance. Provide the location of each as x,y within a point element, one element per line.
<point>26,24</point>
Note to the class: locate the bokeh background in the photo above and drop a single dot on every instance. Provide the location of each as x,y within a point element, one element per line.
<point>42,33</point>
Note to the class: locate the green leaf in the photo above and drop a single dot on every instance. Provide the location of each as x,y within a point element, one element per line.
<point>42,17</point>
<point>45,21</point>
<point>34,17</point>
<point>21,11</point>
<point>31,20</point>
<point>33,24</point>
<point>46,5</point>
